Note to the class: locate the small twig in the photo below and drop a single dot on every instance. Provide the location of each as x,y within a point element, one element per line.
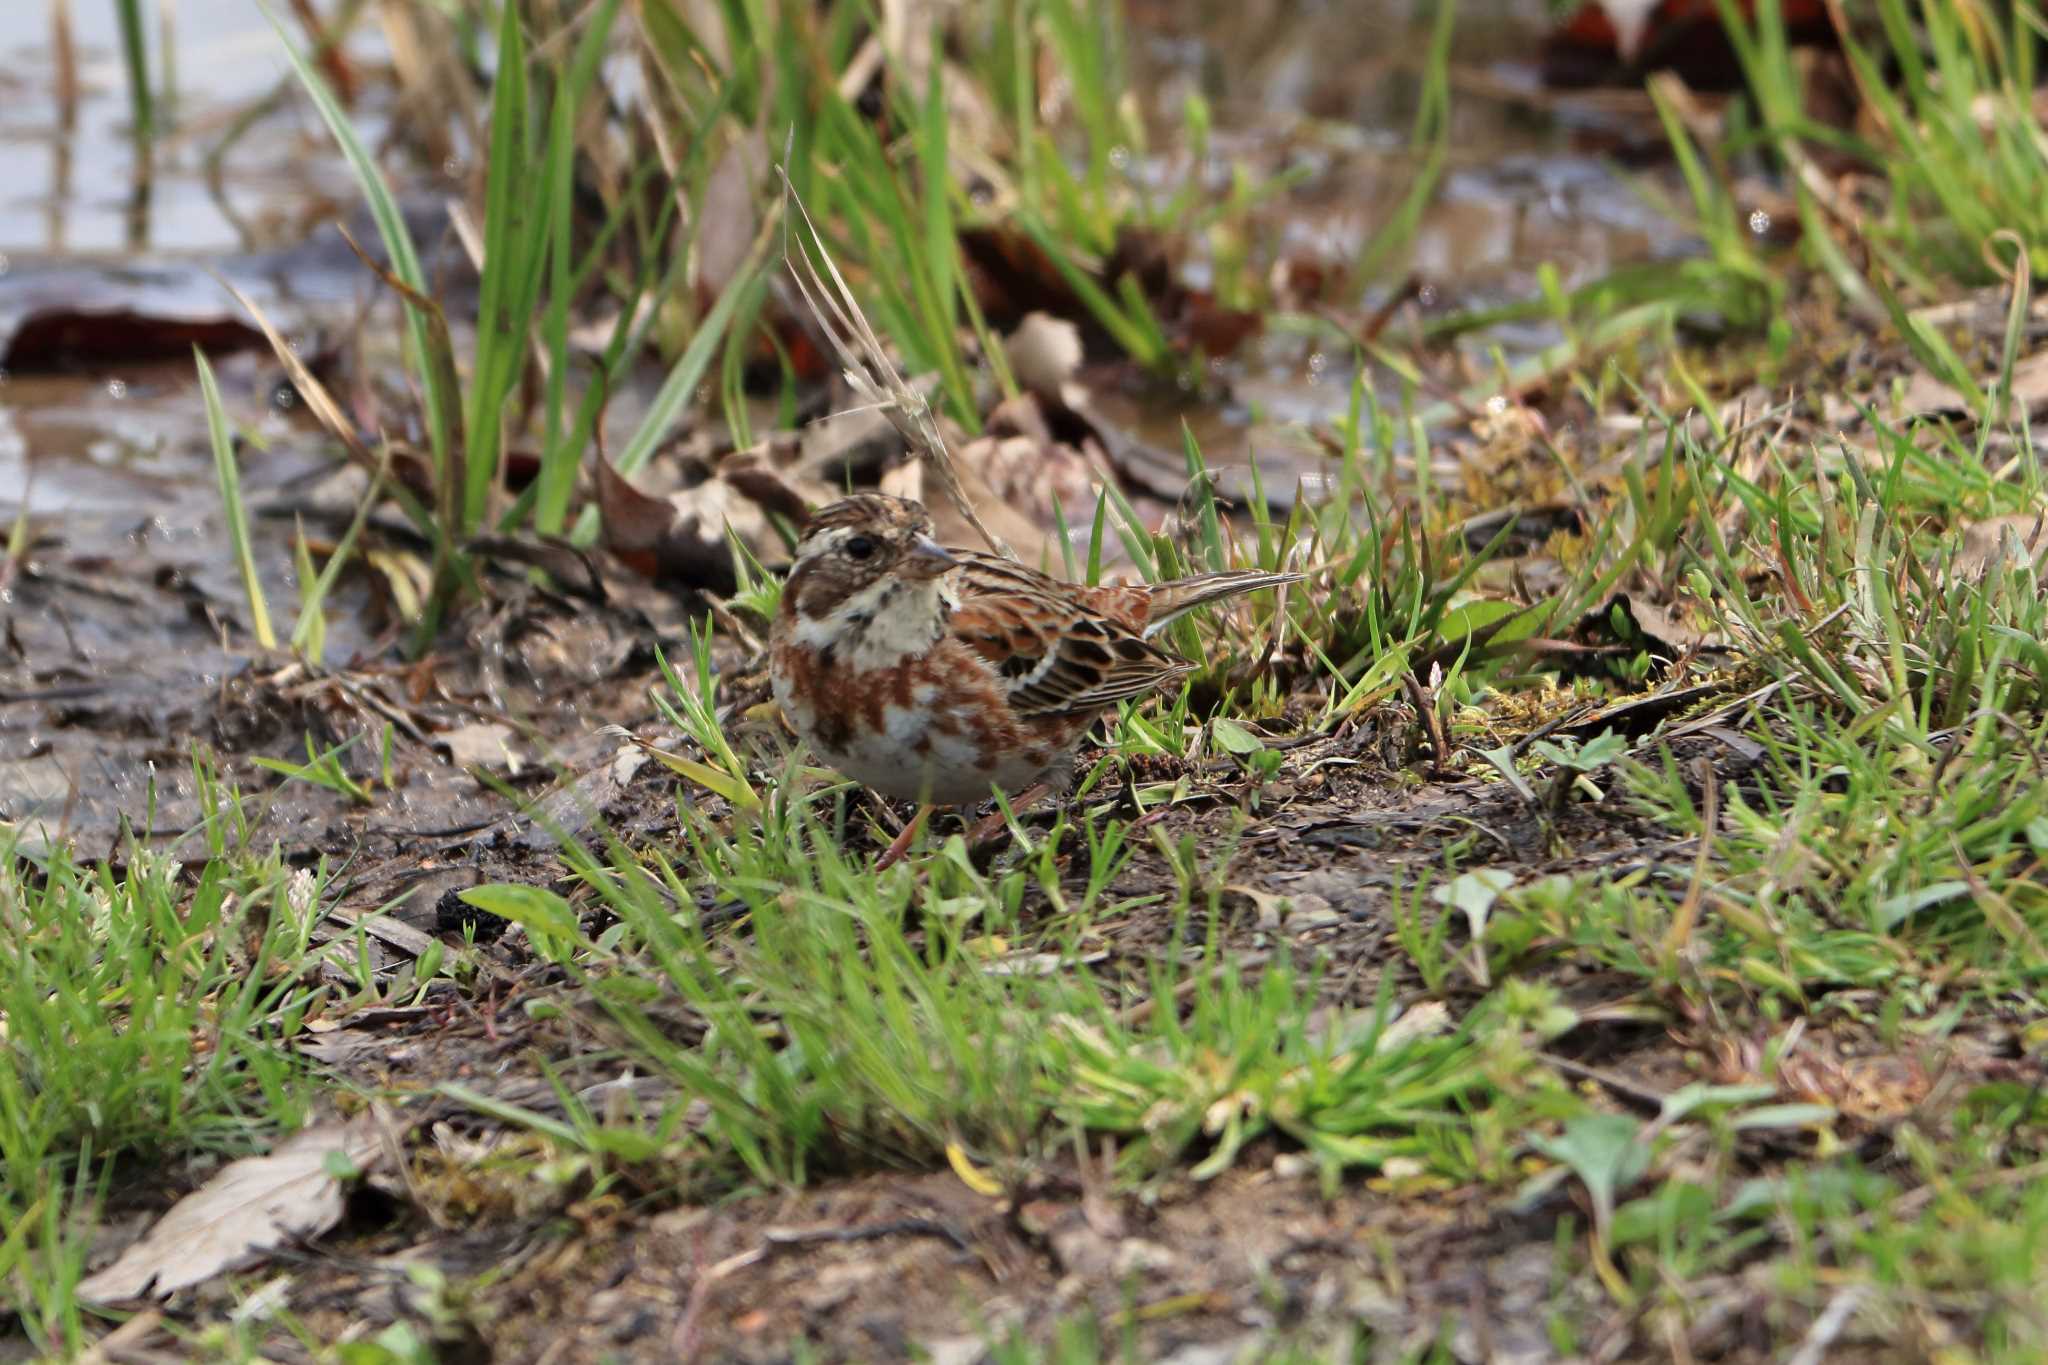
<point>64,53</point>
<point>1829,1325</point>
<point>1425,711</point>
<point>310,389</point>
<point>1679,936</point>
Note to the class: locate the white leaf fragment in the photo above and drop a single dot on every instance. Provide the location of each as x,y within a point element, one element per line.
<point>249,1208</point>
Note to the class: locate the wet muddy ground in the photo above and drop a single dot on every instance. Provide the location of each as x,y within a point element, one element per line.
<point>116,663</point>
<point>116,657</point>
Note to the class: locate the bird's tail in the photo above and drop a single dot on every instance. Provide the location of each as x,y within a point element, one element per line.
<point>1171,601</point>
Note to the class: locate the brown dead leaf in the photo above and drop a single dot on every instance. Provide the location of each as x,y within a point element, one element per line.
<point>65,340</point>
<point>249,1208</point>
<point>774,490</point>
<point>2019,539</point>
<point>1012,275</point>
<point>1215,330</point>
<point>633,522</point>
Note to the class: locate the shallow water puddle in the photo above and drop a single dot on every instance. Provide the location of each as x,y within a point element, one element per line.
<point>75,186</point>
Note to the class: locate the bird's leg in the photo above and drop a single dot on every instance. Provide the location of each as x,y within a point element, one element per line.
<point>993,825</point>
<point>893,854</point>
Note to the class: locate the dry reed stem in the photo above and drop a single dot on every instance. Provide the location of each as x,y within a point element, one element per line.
<point>866,364</point>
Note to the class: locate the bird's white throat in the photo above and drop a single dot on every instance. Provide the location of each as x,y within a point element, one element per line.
<point>882,624</point>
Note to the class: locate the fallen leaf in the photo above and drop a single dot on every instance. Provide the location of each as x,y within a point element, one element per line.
<point>1205,325</point>
<point>66,340</point>
<point>480,745</point>
<point>972,1176</point>
<point>1634,619</point>
<point>1926,396</point>
<point>249,1208</point>
<point>2021,537</point>
<point>1011,275</point>
<point>683,538</point>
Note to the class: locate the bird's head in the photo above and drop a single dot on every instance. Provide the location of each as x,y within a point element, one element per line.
<point>854,552</point>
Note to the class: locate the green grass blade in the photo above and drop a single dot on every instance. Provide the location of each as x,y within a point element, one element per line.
<point>135,60</point>
<point>436,379</point>
<point>1433,132</point>
<point>516,228</point>
<point>311,603</point>
<point>230,475</point>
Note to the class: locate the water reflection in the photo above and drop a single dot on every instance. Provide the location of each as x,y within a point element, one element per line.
<point>81,183</point>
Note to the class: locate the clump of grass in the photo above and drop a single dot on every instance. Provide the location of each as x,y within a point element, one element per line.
<point>834,1030</point>
<point>1356,1090</point>
<point>1960,154</point>
<point>142,1012</point>
<point>532,274</point>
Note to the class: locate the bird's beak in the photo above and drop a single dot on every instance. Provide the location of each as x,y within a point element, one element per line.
<point>928,558</point>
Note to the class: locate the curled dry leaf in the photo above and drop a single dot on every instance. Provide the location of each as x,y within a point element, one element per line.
<point>249,1208</point>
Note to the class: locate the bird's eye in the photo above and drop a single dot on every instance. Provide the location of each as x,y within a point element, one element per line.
<point>860,547</point>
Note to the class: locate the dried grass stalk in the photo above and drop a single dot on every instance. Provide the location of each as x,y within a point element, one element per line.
<point>865,363</point>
